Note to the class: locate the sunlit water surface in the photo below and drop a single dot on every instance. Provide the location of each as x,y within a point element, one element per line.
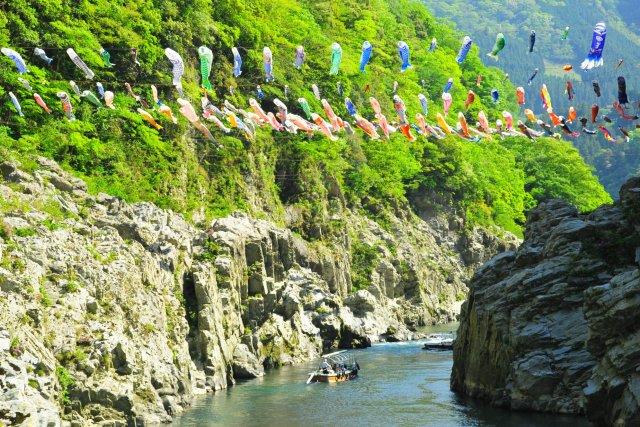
<point>400,384</point>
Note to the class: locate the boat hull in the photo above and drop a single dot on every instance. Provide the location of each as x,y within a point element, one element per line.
<point>438,346</point>
<point>439,342</point>
<point>332,378</point>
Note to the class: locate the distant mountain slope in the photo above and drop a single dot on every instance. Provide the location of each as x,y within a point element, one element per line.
<point>630,14</point>
<point>483,19</point>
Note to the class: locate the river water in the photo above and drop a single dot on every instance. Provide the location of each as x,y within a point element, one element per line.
<point>399,384</point>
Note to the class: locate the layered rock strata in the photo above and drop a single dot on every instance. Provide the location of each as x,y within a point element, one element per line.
<point>553,326</point>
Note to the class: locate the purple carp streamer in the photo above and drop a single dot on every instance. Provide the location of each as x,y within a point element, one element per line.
<point>300,57</point>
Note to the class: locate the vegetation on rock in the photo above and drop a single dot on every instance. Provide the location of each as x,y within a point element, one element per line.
<point>117,153</point>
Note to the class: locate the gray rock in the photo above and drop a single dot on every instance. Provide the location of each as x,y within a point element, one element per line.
<point>92,306</point>
<point>11,173</point>
<point>361,302</point>
<point>558,314</point>
<point>122,359</point>
<point>5,340</point>
<point>245,364</point>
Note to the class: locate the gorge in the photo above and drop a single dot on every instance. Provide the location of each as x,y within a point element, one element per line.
<point>150,257</point>
<point>121,313</point>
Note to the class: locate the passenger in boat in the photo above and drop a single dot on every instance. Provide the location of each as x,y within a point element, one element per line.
<point>341,370</point>
<point>354,368</point>
<point>325,366</point>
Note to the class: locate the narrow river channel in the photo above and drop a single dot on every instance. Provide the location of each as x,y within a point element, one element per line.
<point>400,384</point>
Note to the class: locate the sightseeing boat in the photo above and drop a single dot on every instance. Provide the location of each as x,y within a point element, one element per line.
<point>439,341</point>
<point>334,368</point>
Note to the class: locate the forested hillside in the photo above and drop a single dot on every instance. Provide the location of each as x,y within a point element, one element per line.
<point>482,19</point>
<point>117,152</point>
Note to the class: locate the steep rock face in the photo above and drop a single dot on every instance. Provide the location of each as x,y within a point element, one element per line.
<point>553,325</point>
<point>117,314</point>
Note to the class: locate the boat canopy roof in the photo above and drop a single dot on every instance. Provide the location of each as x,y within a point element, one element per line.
<point>339,356</point>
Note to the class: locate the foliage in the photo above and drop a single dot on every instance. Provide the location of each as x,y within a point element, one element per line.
<point>69,358</point>
<point>45,299</point>
<point>210,252</point>
<point>15,348</point>
<point>51,224</point>
<point>363,261</point>
<point>65,380</point>
<point>25,232</point>
<point>6,231</point>
<point>553,170</point>
<point>72,286</point>
<point>496,183</point>
<point>116,152</point>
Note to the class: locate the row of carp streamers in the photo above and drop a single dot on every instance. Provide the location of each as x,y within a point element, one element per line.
<point>293,123</point>
<point>206,63</point>
<point>593,59</point>
<point>206,60</point>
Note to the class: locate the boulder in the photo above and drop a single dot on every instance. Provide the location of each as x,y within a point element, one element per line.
<point>361,302</point>
<point>122,359</point>
<point>245,364</point>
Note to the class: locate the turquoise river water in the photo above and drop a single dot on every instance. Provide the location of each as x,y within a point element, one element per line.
<point>400,384</point>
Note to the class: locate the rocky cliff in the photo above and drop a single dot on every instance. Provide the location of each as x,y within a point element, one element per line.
<point>117,314</point>
<point>553,326</point>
